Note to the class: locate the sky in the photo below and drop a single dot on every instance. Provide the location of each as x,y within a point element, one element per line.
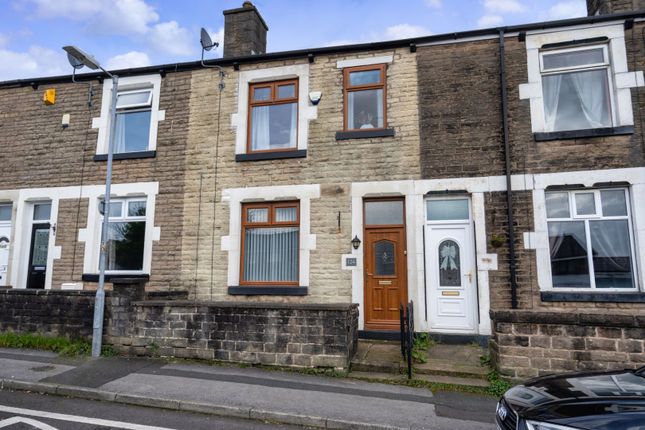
<point>132,33</point>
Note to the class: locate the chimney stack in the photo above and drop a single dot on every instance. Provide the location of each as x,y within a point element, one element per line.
<point>245,32</point>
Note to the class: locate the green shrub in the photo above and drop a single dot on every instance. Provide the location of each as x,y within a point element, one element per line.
<point>61,345</point>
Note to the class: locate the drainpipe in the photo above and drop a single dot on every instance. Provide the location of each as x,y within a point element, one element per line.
<point>507,162</point>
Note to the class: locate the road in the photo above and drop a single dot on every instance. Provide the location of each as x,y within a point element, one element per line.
<point>30,411</point>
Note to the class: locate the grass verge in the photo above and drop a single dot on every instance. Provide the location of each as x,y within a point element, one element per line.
<point>61,345</point>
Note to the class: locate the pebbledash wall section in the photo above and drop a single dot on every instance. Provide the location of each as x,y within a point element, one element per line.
<point>165,324</point>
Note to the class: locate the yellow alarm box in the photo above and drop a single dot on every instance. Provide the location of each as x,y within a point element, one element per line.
<point>49,96</point>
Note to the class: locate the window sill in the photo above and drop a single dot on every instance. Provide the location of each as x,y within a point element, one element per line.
<point>127,155</point>
<point>577,134</point>
<point>277,155</point>
<point>364,134</point>
<point>268,291</point>
<point>91,277</point>
<point>631,297</point>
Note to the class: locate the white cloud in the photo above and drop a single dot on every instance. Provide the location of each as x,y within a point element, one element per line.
<point>434,3</point>
<point>105,16</point>
<point>173,39</point>
<point>36,61</point>
<point>404,31</point>
<point>489,21</point>
<point>568,9</point>
<point>128,60</point>
<point>504,6</point>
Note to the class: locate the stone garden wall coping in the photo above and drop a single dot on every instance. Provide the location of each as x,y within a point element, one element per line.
<point>604,318</point>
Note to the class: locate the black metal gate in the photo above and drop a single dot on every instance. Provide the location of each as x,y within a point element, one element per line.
<point>406,314</point>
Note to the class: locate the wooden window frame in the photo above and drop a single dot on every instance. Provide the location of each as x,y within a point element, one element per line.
<point>271,223</point>
<point>347,88</point>
<point>274,100</point>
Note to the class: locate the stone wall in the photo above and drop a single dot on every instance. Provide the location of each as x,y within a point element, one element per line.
<point>211,167</point>
<point>303,335</point>
<point>533,343</point>
<point>50,312</point>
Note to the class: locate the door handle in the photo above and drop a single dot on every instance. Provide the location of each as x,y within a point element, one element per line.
<point>470,277</point>
<point>369,274</point>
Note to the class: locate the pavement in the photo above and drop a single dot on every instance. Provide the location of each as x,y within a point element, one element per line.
<point>287,398</point>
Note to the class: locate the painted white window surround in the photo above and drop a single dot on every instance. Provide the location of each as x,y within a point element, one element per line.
<point>306,111</point>
<point>232,243</point>
<point>538,240</point>
<point>622,80</point>
<point>367,61</point>
<point>415,193</point>
<point>129,83</point>
<point>23,208</point>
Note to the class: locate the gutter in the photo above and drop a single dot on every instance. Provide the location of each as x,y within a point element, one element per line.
<point>507,163</point>
<point>412,43</point>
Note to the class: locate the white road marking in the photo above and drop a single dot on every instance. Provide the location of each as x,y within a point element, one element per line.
<point>77,419</point>
<point>33,423</point>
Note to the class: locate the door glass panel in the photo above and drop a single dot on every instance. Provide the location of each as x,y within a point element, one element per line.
<point>384,263</point>
<point>452,209</point>
<point>41,243</point>
<point>585,204</point>
<point>449,264</point>
<point>384,212</point>
<point>613,203</point>
<point>42,211</point>
<point>568,246</point>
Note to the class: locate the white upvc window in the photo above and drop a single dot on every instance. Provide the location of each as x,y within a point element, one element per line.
<point>137,115</point>
<point>577,88</point>
<point>126,240</point>
<point>590,240</point>
<point>579,79</point>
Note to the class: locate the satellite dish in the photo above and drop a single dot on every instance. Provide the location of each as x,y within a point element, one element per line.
<point>74,62</point>
<point>206,41</point>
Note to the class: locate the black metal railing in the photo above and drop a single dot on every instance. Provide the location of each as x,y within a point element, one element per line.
<point>406,315</point>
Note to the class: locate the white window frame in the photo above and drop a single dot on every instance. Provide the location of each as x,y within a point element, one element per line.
<point>606,65</point>
<point>573,216</point>
<point>128,85</point>
<point>620,79</point>
<point>448,221</point>
<point>125,202</point>
<point>135,105</point>
<point>306,111</point>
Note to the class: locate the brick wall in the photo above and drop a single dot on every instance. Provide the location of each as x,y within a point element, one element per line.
<point>529,343</point>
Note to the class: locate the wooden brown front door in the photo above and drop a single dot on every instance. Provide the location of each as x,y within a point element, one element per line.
<point>385,272</point>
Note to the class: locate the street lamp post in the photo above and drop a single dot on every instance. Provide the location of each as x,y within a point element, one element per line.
<point>78,59</point>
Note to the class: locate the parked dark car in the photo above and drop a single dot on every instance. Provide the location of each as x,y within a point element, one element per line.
<point>589,401</point>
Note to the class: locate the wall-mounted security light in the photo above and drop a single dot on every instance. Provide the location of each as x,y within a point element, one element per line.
<point>356,242</point>
<point>315,97</point>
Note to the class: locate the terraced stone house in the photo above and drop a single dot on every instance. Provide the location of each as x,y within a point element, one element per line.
<point>492,177</point>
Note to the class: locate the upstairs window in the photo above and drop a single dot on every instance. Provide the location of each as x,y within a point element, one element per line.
<point>132,128</point>
<point>590,239</point>
<point>270,243</point>
<point>273,113</point>
<point>576,87</point>
<point>364,94</point>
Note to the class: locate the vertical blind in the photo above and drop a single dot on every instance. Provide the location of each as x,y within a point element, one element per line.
<point>271,254</point>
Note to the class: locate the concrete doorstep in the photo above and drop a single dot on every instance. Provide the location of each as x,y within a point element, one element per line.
<point>187,406</point>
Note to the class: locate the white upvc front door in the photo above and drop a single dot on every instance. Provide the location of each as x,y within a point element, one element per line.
<point>451,272</point>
